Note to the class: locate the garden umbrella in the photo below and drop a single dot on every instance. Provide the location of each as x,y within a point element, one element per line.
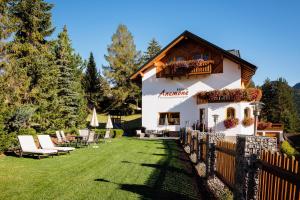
<point>166,123</point>
<point>94,121</point>
<point>108,126</point>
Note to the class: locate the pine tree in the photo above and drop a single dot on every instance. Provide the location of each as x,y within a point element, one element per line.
<point>92,82</point>
<point>279,104</point>
<point>153,48</point>
<point>70,93</point>
<point>123,59</point>
<point>29,68</point>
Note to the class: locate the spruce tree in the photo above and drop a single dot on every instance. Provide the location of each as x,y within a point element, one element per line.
<point>123,59</point>
<point>30,70</point>
<point>279,104</point>
<point>70,93</point>
<point>92,82</point>
<point>153,48</point>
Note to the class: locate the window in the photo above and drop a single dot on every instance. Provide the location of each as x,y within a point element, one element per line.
<point>247,113</point>
<point>170,59</point>
<point>172,117</point>
<point>197,56</point>
<point>180,58</point>
<point>205,56</point>
<point>230,113</point>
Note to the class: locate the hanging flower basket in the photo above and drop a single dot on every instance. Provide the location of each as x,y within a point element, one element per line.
<point>248,121</point>
<point>231,122</point>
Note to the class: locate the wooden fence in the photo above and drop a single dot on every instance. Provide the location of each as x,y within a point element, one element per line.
<point>225,162</point>
<point>279,177</point>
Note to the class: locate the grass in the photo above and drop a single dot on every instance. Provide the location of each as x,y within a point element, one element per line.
<point>126,168</point>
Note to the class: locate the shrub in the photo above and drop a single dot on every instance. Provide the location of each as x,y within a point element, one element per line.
<point>117,133</point>
<point>27,131</point>
<point>7,140</point>
<point>248,121</point>
<point>288,149</point>
<point>114,133</point>
<point>231,122</point>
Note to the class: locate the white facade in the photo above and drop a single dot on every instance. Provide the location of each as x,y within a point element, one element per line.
<point>153,103</point>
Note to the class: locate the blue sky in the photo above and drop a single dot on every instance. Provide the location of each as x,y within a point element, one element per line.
<point>266,32</point>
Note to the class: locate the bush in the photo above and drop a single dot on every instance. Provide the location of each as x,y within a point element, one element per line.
<point>7,141</point>
<point>288,149</point>
<point>114,133</point>
<point>27,131</point>
<point>117,133</point>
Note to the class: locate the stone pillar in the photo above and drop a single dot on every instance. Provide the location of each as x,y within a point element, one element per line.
<point>248,150</point>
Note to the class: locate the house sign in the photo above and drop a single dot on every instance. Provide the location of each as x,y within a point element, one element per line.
<point>179,92</point>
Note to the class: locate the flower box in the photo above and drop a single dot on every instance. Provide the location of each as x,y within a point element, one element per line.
<point>231,122</point>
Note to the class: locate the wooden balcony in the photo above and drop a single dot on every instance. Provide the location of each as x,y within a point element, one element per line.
<point>186,68</point>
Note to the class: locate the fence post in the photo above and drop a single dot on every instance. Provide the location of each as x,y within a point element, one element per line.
<point>210,156</point>
<point>248,150</point>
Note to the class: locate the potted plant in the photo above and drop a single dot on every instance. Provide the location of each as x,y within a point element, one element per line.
<point>248,121</point>
<point>231,122</point>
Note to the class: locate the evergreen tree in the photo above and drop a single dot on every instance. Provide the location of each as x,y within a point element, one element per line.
<point>70,93</point>
<point>29,67</point>
<point>92,82</point>
<point>153,48</point>
<point>123,59</point>
<point>279,104</point>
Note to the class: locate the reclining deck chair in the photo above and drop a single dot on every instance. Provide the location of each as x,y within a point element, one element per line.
<point>46,143</point>
<point>28,147</point>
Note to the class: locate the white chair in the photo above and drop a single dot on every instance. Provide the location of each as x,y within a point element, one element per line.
<point>140,134</point>
<point>63,137</point>
<point>46,143</point>
<point>59,138</point>
<point>84,134</point>
<point>28,147</point>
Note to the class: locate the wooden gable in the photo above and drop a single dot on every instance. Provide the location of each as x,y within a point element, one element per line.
<point>183,50</point>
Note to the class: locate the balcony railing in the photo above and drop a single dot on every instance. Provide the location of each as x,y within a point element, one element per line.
<point>186,68</point>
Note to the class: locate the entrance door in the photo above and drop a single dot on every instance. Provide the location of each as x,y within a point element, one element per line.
<point>202,119</point>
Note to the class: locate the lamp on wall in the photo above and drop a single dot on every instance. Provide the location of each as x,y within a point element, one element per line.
<point>257,106</point>
<point>215,116</point>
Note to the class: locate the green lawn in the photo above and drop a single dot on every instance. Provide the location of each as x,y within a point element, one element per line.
<point>126,168</point>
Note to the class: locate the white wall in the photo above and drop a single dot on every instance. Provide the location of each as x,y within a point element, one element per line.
<point>220,109</point>
<point>152,104</point>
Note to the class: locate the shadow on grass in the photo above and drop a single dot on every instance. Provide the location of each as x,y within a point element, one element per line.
<point>167,181</point>
<point>148,192</point>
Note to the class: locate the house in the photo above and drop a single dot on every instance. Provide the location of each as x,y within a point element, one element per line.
<point>191,80</point>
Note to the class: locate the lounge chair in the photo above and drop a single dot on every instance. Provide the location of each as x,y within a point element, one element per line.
<point>28,147</point>
<point>59,138</point>
<point>46,143</point>
<point>64,138</point>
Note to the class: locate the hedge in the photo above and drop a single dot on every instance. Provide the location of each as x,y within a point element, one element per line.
<point>288,149</point>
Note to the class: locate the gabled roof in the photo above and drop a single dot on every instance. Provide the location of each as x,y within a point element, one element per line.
<point>187,34</point>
